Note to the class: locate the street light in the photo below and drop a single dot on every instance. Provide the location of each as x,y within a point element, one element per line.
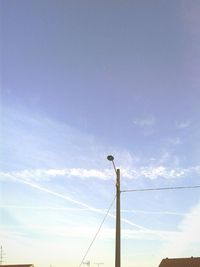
<point>111,158</point>
<point>118,221</point>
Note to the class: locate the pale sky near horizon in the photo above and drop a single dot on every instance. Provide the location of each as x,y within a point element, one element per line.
<point>81,80</point>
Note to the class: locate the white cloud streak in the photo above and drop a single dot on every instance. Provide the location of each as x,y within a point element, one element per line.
<point>145,122</point>
<point>77,202</point>
<point>183,125</point>
<point>189,234</point>
<point>175,141</point>
<point>85,209</point>
<point>83,231</point>
<point>47,174</point>
<point>150,172</point>
<point>159,234</point>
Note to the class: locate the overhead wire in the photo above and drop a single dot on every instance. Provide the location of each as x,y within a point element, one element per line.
<point>160,188</point>
<point>126,191</point>
<point>98,230</point>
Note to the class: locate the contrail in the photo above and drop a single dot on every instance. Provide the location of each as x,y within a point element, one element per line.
<point>86,209</point>
<point>44,189</point>
<point>43,208</point>
<point>82,204</point>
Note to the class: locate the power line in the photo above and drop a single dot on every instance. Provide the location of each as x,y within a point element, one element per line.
<point>95,236</point>
<point>160,188</point>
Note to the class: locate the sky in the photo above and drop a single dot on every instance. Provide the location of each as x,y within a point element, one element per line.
<point>81,80</point>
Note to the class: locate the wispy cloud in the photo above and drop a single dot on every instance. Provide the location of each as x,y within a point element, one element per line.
<point>188,234</point>
<point>43,208</point>
<point>34,140</point>
<point>146,124</point>
<point>143,229</point>
<point>167,213</point>
<point>175,141</point>
<point>149,172</point>
<point>65,197</point>
<point>161,171</point>
<point>183,124</point>
<point>77,202</point>
<point>47,174</point>
<point>148,121</point>
<point>84,231</point>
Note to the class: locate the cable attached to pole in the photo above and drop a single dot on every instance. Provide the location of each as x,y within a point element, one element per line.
<point>95,236</point>
<point>161,188</point>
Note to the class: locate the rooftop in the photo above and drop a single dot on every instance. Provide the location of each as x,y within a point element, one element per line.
<point>181,262</point>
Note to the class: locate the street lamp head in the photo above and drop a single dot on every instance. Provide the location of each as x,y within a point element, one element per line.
<point>110,157</point>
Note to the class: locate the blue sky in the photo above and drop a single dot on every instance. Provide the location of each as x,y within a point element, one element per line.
<point>81,80</point>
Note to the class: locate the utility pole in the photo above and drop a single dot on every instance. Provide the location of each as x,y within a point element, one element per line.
<point>118,223</point>
<point>118,217</point>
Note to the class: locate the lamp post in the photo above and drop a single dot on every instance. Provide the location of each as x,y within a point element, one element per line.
<point>118,220</point>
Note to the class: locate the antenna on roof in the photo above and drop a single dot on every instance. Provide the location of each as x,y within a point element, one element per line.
<point>2,255</point>
<point>98,263</point>
<point>87,263</point>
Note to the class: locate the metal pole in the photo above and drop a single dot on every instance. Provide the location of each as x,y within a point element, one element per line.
<point>118,226</point>
<point>1,255</point>
<point>87,263</point>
